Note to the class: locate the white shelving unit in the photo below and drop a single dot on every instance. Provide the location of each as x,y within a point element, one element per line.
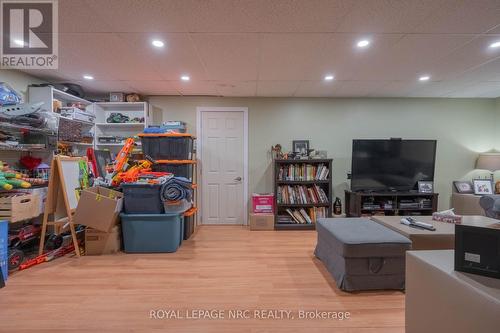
<point>47,95</point>
<point>103,110</point>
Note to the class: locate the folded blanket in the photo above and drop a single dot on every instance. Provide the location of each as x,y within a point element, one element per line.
<point>177,188</point>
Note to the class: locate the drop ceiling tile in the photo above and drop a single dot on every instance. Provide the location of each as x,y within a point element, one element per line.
<point>277,88</point>
<point>464,16</point>
<point>236,88</point>
<point>229,56</point>
<point>317,88</point>
<point>466,58</point>
<point>341,57</point>
<point>386,16</point>
<point>139,16</point>
<point>78,16</point>
<point>178,56</point>
<point>50,75</point>
<point>159,87</point>
<point>264,15</point>
<point>489,71</point>
<point>357,88</point>
<point>106,56</point>
<point>392,89</point>
<point>478,89</point>
<point>407,58</point>
<point>195,87</point>
<point>105,86</point>
<point>288,56</point>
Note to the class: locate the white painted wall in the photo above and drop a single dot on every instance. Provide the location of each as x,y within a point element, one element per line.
<point>18,80</point>
<point>463,127</point>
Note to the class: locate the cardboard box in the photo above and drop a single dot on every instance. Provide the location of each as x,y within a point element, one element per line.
<point>98,242</point>
<point>99,208</point>
<point>263,202</point>
<point>261,222</point>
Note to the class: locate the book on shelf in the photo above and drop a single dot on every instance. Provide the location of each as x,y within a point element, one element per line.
<point>303,172</point>
<point>302,215</point>
<point>301,194</point>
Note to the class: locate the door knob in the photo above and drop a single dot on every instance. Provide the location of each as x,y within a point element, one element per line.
<point>237,179</point>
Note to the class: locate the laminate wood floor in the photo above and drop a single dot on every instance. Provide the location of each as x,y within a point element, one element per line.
<point>221,268</point>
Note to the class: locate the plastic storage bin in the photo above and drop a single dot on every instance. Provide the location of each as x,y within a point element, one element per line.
<point>189,222</point>
<point>169,146</point>
<point>177,207</point>
<point>178,168</point>
<point>146,233</point>
<point>4,248</point>
<point>142,198</point>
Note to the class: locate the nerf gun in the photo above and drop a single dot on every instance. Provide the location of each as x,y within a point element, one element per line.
<point>121,162</point>
<point>132,174</point>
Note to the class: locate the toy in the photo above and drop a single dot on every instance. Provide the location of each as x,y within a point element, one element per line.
<point>132,174</point>
<point>29,235</point>
<point>19,238</point>
<point>116,117</point>
<point>8,96</point>
<point>131,98</point>
<point>10,178</point>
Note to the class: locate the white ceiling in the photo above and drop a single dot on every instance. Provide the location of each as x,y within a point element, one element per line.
<point>281,47</point>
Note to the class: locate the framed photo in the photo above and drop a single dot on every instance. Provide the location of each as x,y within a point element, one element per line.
<point>301,146</point>
<point>425,187</point>
<point>482,186</point>
<point>463,186</point>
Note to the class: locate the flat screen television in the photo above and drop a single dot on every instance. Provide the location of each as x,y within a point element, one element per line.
<point>391,165</point>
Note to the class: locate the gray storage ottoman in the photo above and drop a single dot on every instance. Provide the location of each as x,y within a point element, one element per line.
<point>361,254</point>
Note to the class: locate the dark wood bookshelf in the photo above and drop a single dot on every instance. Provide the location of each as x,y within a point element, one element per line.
<point>294,226</point>
<point>301,182</point>
<point>354,203</point>
<point>308,205</point>
<point>326,185</point>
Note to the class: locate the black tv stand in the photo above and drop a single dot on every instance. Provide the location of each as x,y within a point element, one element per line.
<point>399,203</point>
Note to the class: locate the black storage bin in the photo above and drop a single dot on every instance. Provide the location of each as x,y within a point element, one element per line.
<point>189,223</point>
<point>178,169</point>
<point>142,198</point>
<point>167,146</point>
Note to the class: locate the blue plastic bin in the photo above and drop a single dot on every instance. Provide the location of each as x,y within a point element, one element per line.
<point>147,233</point>
<point>142,198</point>
<point>4,248</point>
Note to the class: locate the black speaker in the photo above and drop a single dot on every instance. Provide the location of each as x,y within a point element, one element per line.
<point>477,249</point>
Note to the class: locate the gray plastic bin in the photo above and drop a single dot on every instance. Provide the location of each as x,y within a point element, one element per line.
<point>146,233</point>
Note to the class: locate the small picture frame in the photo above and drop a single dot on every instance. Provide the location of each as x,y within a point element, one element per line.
<point>425,187</point>
<point>301,147</point>
<point>482,186</point>
<point>464,187</point>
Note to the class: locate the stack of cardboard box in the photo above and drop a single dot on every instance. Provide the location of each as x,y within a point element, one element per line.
<point>99,209</point>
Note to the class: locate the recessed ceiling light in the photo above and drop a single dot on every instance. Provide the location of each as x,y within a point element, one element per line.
<point>88,77</point>
<point>363,43</point>
<point>329,77</point>
<point>185,78</point>
<point>18,42</point>
<point>495,45</point>
<point>424,78</point>
<point>158,43</point>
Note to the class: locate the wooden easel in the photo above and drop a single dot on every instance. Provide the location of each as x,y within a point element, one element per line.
<point>57,203</point>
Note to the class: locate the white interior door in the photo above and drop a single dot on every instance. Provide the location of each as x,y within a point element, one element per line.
<point>222,156</point>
